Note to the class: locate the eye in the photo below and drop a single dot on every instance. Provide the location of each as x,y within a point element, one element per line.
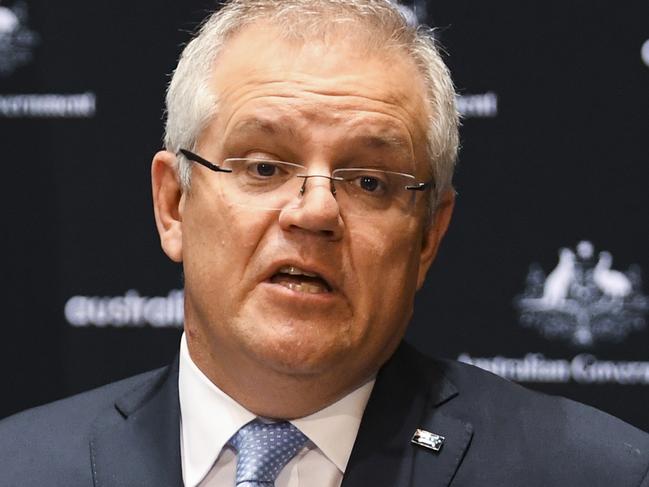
<point>372,184</point>
<point>264,169</point>
<point>260,169</point>
<point>369,183</point>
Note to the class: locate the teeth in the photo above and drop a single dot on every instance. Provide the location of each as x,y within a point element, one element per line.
<point>299,280</point>
<point>296,271</point>
<point>304,287</point>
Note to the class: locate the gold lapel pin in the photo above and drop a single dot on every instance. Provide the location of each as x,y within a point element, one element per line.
<point>427,440</point>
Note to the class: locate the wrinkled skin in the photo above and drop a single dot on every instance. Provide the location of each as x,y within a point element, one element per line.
<point>282,352</point>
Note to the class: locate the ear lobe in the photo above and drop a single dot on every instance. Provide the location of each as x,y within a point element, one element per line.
<point>432,236</point>
<point>168,200</point>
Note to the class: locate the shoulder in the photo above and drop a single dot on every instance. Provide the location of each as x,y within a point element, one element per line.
<point>485,394</point>
<point>555,437</point>
<point>58,434</point>
<point>71,415</point>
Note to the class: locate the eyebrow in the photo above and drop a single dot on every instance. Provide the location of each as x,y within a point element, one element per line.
<point>388,141</point>
<point>269,127</point>
<point>382,141</point>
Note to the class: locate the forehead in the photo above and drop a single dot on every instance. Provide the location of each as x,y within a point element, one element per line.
<point>263,81</point>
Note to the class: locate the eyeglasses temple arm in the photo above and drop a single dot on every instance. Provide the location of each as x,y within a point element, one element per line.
<point>419,186</point>
<point>203,162</point>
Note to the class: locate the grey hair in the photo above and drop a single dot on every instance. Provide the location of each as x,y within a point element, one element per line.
<point>191,105</point>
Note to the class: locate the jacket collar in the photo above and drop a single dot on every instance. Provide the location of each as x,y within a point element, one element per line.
<point>409,394</point>
<point>137,442</point>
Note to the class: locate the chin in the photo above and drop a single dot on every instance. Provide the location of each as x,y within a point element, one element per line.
<point>299,356</point>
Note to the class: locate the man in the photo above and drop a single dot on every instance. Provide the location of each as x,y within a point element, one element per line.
<point>305,187</point>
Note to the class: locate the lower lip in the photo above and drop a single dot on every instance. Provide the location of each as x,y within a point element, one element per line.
<point>281,291</point>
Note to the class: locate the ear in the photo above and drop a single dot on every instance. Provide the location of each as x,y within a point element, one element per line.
<point>168,201</point>
<point>433,234</point>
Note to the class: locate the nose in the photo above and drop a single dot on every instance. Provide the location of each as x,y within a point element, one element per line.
<point>314,210</point>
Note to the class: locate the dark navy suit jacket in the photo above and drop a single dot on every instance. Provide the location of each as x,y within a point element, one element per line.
<point>496,434</point>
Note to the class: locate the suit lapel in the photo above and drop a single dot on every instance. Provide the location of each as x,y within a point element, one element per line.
<point>437,469</point>
<point>138,441</point>
<point>409,393</point>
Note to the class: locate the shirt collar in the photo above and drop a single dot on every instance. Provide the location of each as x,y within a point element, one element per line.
<point>334,428</point>
<point>209,418</point>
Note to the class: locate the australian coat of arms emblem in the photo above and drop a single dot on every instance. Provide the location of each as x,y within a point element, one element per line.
<point>583,300</point>
<point>16,41</point>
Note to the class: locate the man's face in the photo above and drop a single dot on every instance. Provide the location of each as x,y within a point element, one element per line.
<point>325,106</point>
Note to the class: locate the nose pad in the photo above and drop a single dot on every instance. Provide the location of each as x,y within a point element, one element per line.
<point>316,209</point>
<point>316,197</point>
<point>307,177</point>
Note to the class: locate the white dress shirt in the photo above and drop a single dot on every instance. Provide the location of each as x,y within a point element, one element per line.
<point>209,418</point>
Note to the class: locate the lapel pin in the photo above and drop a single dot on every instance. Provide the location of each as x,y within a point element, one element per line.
<point>427,440</point>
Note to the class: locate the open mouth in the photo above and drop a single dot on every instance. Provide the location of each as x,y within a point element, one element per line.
<point>299,280</point>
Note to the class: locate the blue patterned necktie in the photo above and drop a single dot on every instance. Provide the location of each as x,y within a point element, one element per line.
<point>263,450</point>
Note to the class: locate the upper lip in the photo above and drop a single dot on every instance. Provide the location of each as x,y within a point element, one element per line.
<point>320,270</point>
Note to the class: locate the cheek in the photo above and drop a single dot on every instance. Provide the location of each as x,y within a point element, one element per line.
<point>386,268</point>
<point>218,232</point>
<point>217,248</point>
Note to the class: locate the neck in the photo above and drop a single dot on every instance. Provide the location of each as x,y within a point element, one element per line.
<point>272,393</point>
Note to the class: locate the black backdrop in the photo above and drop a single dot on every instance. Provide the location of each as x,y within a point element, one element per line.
<point>556,103</point>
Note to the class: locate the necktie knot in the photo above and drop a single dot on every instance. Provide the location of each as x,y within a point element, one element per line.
<point>263,450</point>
